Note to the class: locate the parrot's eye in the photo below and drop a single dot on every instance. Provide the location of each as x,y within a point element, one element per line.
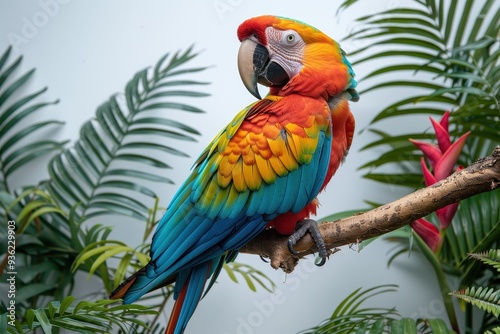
<point>290,38</point>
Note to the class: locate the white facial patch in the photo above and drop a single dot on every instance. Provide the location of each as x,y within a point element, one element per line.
<point>286,48</point>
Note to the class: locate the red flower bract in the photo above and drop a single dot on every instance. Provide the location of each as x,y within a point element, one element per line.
<point>442,158</point>
<point>428,232</point>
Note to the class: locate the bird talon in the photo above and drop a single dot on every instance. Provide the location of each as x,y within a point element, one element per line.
<point>291,243</point>
<point>308,225</point>
<point>321,263</point>
<point>264,259</point>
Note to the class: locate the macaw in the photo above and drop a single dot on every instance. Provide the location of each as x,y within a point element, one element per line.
<point>263,170</point>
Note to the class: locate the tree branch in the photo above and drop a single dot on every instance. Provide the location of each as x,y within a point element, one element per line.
<point>482,176</point>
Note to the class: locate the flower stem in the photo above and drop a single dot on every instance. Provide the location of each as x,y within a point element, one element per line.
<point>442,281</point>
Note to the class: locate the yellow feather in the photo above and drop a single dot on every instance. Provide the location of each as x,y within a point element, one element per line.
<point>288,159</point>
<point>278,166</point>
<point>209,194</point>
<point>265,170</point>
<point>308,145</point>
<point>292,146</point>
<point>238,178</point>
<point>218,201</point>
<point>277,146</point>
<point>252,177</point>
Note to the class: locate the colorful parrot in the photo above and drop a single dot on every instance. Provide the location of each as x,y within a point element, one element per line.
<point>263,170</point>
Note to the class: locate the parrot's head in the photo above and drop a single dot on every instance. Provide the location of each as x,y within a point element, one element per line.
<point>292,57</point>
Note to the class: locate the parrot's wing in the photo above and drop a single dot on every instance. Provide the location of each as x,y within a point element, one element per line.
<point>254,170</point>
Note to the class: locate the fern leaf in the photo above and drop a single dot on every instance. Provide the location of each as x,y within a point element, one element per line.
<point>491,258</point>
<point>487,299</point>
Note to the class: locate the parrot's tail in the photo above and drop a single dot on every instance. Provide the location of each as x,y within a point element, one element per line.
<point>131,289</point>
<point>188,290</point>
<point>187,294</point>
<point>122,289</point>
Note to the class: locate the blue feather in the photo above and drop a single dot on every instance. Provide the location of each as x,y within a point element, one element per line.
<point>196,284</point>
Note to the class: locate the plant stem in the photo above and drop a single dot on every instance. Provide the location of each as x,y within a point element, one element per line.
<point>442,281</point>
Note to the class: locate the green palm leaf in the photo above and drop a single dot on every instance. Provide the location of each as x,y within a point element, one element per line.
<point>84,317</point>
<point>474,229</point>
<point>449,52</point>
<point>132,130</point>
<point>250,275</point>
<point>19,144</point>
<point>109,170</point>
<point>351,316</point>
<point>456,42</point>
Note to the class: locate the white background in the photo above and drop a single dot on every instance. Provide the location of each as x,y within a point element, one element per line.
<point>85,51</point>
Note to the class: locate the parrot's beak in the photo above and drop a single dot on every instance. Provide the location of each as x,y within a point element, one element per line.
<point>255,66</point>
<point>252,58</point>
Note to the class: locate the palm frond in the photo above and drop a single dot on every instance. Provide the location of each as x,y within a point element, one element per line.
<point>137,329</point>
<point>94,256</point>
<point>19,143</point>
<point>122,149</point>
<point>448,51</point>
<point>250,275</point>
<point>84,317</point>
<point>348,315</point>
<point>103,173</point>
<point>474,229</point>
<point>351,317</point>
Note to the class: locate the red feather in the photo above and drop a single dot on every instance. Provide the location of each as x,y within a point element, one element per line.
<point>257,27</point>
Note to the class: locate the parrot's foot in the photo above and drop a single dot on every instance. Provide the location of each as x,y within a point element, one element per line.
<point>311,226</point>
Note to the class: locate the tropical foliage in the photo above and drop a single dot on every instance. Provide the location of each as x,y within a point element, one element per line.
<point>84,317</point>
<point>485,298</point>
<point>446,54</point>
<point>352,316</point>
<point>18,137</point>
<point>108,172</point>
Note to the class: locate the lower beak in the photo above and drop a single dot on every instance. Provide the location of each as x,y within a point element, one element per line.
<point>252,60</point>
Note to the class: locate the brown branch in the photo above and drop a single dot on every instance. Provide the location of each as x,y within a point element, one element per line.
<point>482,176</point>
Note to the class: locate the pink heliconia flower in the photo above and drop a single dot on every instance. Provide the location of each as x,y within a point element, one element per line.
<point>428,232</point>
<point>428,177</point>
<point>442,158</point>
<point>444,166</point>
<point>441,130</point>
<point>431,151</point>
<point>447,213</point>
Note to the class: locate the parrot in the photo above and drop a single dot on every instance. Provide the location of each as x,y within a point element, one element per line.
<point>264,170</point>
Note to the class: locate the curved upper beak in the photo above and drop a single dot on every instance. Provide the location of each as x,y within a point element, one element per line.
<point>252,60</point>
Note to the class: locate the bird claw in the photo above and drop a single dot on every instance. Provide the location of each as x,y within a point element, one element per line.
<point>292,243</point>
<point>264,259</point>
<point>311,226</point>
<point>321,263</point>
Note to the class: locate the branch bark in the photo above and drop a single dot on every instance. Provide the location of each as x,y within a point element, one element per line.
<point>482,176</point>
